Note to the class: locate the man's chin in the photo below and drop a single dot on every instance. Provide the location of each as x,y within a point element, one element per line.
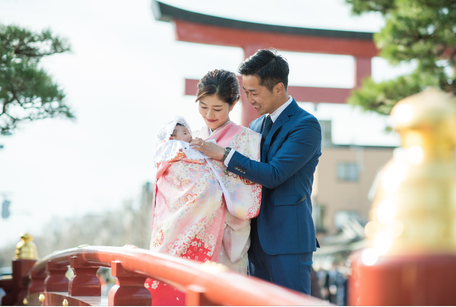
<point>259,111</point>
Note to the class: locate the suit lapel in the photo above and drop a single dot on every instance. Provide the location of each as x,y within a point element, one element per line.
<point>282,119</point>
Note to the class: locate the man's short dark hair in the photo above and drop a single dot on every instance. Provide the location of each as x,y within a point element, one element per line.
<point>269,67</point>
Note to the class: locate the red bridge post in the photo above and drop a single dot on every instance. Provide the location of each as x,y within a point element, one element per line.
<point>85,282</point>
<point>56,280</point>
<point>21,267</point>
<point>37,281</point>
<point>129,289</point>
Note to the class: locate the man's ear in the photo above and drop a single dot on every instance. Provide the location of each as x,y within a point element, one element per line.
<point>279,88</point>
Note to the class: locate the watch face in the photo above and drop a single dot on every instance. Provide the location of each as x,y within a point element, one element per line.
<point>227,151</point>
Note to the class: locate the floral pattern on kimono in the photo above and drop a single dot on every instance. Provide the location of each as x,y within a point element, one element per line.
<point>190,214</point>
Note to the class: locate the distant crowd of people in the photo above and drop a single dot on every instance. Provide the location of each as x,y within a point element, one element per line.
<point>331,285</point>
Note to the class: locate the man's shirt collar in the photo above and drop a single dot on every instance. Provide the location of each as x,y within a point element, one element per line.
<point>274,115</point>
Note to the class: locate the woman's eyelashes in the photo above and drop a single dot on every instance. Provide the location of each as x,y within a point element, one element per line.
<point>205,108</point>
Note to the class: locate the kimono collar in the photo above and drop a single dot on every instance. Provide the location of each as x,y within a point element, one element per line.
<point>219,128</point>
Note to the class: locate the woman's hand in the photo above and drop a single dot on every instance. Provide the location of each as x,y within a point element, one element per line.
<point>211,150</point>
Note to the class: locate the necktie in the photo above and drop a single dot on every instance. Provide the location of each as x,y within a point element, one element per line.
<point>267,126</point>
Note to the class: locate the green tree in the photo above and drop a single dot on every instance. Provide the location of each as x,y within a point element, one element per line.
<point>27,92</point>
<point>423,31</point>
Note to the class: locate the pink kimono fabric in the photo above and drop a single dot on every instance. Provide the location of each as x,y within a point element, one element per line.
<point>190,211</point>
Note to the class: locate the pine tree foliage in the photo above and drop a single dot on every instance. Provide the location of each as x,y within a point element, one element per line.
<point>422,31</point>
<point>27,92</point>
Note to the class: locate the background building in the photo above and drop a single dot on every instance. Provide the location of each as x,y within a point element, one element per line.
<point>343,180</point>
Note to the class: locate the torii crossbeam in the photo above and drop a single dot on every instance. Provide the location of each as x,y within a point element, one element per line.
<point>206,29</point>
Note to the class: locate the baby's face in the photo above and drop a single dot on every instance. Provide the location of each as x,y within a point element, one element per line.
<point>181,133</point>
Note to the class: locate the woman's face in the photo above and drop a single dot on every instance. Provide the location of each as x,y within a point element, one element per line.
<point>214,111</point>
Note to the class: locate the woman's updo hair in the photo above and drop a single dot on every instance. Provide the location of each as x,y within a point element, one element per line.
<point>220,82</point>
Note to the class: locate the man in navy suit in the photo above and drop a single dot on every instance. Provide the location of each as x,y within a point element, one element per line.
<point>283,235</point>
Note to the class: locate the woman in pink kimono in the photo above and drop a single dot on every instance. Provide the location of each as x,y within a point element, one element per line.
<point>201,211</point>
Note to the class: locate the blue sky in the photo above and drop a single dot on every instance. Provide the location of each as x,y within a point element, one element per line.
<point>125,77</point>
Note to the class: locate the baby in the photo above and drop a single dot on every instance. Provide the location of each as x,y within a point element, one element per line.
<point>174,138</point>
<point>181,133</point>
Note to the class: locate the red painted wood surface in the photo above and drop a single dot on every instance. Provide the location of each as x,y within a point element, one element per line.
<point>129,289</point>
<point>21,267</point>
<point>85,281</point>
<point>56,280</point>
<point>57,299</point>
<point>319,94</point>
<point>219,288</point>
<point>7,285</point>
<point>363,69</point>
<point>196,296</point>
<point>404,280</point>
<point>37,279</point>
<point>223,36</point>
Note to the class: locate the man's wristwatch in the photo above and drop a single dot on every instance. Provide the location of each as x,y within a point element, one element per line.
<point>227,152</point>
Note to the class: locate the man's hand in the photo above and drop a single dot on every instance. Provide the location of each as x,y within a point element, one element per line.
<point>211,150</point>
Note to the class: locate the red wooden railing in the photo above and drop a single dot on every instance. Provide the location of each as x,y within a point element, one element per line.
<point>203,283</point>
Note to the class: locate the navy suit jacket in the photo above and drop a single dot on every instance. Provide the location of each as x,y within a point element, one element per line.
<point>289,157</point>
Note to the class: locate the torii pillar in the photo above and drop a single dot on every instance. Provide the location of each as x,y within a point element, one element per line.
<point>206,29</point>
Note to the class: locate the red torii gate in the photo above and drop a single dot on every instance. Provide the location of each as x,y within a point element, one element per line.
<point>206,29</point>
